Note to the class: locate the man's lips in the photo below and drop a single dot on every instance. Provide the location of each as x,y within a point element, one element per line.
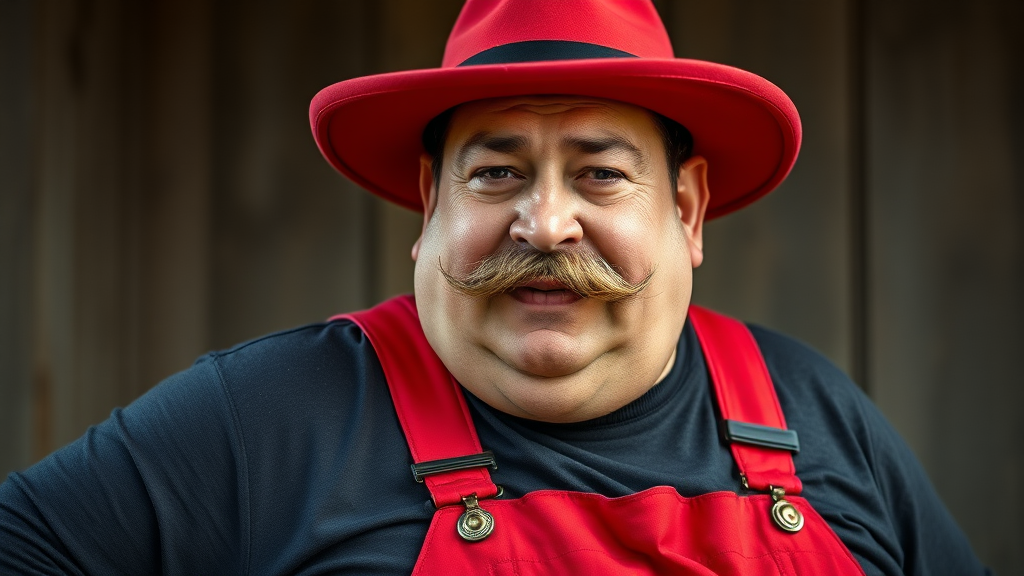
<point>544,293</point>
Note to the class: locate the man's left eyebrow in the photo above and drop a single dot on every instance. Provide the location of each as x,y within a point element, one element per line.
<point>604,144</point>
<point>488,141</point>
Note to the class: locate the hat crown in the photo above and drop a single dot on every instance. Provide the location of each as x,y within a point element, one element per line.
<point>632,27</point>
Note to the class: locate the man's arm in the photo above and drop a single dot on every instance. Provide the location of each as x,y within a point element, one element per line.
<point>859,473</point>
<point>164,470</point>
<point>930,540</point>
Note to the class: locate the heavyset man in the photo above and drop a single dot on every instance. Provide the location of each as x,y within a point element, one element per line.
<point>561,405</point>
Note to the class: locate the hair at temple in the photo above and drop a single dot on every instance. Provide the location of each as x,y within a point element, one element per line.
<point>677,139</point>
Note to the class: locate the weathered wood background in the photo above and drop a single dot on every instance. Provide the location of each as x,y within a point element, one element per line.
<point>160,195</point>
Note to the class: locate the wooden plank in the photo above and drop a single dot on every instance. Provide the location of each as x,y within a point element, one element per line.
<point>53,279</point>
<point>946,181</point>
<point>86,165</point>
<point>290,242</point>
<point>104,160</point>
<point>174,207</point>
<point>16,234</point>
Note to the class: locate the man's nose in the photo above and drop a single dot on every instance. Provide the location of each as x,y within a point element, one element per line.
<point>548,218</point>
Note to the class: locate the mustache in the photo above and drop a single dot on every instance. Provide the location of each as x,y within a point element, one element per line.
<point>583,272</point>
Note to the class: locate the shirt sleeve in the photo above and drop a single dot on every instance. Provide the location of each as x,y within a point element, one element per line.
<point>159,487</point>
<point>930,541</point>
<point>859,474</point>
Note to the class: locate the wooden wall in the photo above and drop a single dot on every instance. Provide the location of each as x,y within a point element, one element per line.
<point>160,195</point>
<point>945,157</point>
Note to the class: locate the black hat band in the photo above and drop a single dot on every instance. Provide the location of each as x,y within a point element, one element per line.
<point>542,50</point>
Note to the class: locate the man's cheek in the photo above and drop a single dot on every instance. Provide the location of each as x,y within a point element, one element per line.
<point>627,256</point>
<point>467,240</point>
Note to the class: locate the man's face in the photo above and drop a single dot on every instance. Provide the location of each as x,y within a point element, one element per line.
<point>547,174</point>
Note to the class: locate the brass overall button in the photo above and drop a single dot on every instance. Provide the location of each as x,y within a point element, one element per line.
<point>785,515</point>
<point>475,524</point>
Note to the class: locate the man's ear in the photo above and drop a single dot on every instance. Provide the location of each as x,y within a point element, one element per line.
<point>428,195</point>
<point>692,197</point>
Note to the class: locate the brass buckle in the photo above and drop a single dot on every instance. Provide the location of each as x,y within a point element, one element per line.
<point>785,515</point>
<point>475,524</point>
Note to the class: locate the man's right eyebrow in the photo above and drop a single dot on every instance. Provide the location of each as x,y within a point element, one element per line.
<point>488,141</point>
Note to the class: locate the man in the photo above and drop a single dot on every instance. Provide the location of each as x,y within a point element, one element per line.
<point>569,165</point>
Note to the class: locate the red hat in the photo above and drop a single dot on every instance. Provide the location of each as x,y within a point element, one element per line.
<point>370,128</point>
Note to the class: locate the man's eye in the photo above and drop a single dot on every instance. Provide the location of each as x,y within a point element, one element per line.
<point>496,173</point>
<point>605,174</point>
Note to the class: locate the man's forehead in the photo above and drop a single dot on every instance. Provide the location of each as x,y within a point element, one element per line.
<point>588,125</point>
<point>547,105</point>
<point>575,126</point>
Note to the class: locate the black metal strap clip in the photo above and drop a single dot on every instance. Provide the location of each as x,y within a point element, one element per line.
<point>424,469</point>
<point>758,435</point>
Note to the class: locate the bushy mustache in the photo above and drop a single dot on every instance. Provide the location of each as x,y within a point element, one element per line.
<point>583,272</point>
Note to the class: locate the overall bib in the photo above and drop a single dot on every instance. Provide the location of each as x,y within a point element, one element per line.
<point>656,531</point>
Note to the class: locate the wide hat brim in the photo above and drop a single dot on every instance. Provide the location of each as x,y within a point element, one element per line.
<point>370,128</point>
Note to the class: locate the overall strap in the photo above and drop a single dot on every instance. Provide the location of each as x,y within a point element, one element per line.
<point>753,423</point>
<point>429,403</point>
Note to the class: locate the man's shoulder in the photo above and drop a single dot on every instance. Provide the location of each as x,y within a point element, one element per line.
<point>814,393</point>
<point>295,387</point>
<point>275,376</point>
<point>794,364</point>
<point>291,344</point>
<point>312,359</point>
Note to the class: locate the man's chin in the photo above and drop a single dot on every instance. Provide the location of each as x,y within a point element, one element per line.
<point>545,354</point>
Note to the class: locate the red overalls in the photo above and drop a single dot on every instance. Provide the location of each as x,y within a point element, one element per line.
<point>656,531</point>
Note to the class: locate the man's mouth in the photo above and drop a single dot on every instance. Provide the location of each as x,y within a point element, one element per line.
<point>545,293</point>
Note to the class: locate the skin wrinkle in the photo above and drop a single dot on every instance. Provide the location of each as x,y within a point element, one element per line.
<point>612,142</point>
<point>486,141</point>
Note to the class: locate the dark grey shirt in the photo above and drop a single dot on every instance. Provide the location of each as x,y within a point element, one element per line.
<point>284,456</point>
